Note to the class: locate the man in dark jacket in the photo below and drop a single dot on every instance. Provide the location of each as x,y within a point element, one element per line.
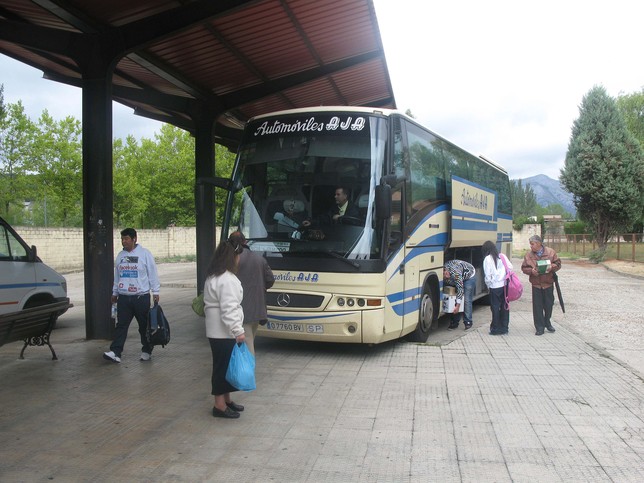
<point>256,277</point>
<point>343,207</point>
<point>540,263</point>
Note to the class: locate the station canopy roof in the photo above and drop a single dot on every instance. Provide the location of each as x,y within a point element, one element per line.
<point>235,58</point>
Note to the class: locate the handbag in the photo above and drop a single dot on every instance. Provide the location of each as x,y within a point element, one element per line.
<point>157,329</point>
<point>513,288</point>
<point>241,368</point>
<point>198,305</point>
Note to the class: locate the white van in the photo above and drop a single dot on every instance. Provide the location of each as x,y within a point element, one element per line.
<point>25,281</point>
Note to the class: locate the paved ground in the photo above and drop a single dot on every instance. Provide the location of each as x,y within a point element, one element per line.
<point>465,407</point>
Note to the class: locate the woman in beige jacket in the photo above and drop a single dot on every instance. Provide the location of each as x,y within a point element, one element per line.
<point>223,295</point>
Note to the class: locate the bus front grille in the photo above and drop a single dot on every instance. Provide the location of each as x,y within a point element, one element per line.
<point>293,300</point>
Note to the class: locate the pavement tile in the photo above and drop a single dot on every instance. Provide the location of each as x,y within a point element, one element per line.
<point>512,434</point>
<point>533,473</point>
<point>526,455</point>
<point>625,474</point>
<point>443,470</point>
<point>476,441</point>
<point>587,474</point>
<point>476,471</point>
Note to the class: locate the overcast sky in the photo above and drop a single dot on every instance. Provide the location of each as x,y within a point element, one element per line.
<point>499,78</point>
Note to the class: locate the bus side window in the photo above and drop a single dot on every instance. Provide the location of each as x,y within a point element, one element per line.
<point>428,165</point>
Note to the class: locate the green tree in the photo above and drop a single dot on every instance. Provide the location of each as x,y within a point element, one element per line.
<point>553,209</point>
<point>57,161</point>
<point>604,168</point>
<point>171,195</point>
<point>524,201</point>
<point>224,163</point>
<point>632,108</point>
<point>131,180</point>
<point>17,133</point>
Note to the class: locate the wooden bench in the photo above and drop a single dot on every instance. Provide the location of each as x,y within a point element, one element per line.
<point>33,326</point>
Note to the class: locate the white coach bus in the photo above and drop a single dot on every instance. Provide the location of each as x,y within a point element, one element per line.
<point>376,275</point>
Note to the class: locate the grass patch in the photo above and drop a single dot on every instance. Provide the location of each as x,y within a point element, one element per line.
<point>177,259</point>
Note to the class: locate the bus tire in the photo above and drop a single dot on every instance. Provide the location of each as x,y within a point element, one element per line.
<point>426,314</point>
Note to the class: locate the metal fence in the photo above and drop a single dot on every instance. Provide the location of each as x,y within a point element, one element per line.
<point>628,246</point>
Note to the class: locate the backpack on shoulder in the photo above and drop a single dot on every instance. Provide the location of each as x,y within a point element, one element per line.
<point>158,329</point>
<point>513,286</point>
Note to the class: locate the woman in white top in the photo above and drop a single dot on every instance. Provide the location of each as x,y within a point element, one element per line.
<point>494,270</point>
<point>223,295</point>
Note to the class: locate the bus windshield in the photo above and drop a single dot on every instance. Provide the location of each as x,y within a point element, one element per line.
<point>308,184</point>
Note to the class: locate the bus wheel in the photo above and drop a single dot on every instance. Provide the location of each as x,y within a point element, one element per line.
<point>426,312</point>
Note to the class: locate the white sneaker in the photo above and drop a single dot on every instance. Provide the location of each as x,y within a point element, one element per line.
<point>145,356</point>
<point>110,356</point>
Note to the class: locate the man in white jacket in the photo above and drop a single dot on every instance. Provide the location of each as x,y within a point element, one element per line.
<point>135,276</point>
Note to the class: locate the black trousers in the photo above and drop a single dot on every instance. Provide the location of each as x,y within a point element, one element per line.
<point>500,315</point>
<point>127,308</point>
<point>543,300</point>
<point>221,350</point>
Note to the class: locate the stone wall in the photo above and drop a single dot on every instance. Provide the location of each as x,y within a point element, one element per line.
<point>62,248</point>
<point>520,239</point>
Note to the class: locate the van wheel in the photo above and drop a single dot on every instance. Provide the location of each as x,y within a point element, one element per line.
<point>426,312</point>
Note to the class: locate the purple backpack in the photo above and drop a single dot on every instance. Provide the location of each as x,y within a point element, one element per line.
<point>513,287</point>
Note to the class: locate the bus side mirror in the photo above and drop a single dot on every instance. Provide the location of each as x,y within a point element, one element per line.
<point>32,255</point>
<point>383,201</point>
<point>217,182</point>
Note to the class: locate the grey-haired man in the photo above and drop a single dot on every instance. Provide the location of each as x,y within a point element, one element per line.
<point>540,264</point>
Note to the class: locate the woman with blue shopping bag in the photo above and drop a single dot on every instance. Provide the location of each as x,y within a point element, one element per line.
<point>223,294</point>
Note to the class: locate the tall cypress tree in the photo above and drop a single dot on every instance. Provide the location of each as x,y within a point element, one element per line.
<point>604,168</point>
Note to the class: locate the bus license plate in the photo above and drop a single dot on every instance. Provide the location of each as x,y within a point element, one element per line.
<point>286,326</point>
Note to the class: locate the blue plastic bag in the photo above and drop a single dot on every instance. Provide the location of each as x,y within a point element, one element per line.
<point>241,368</point>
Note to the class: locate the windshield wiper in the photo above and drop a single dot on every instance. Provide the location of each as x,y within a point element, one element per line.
<point>340,257</point>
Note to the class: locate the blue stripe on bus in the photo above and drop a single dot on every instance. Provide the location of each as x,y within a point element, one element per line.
<point>406,308</point>
<point>469,214</point>
<point>474,225</point>
<point>398,296</point>
<point>434,212</point>
<point>418,251</point>
<point>289,318</point>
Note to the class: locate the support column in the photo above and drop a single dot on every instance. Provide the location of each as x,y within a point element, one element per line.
<point>97,202</point>
<point>204,194</point>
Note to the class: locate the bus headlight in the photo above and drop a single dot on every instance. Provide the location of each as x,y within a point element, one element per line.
<point>360,302</point>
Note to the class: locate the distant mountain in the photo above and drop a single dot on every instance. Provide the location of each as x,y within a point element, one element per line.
<point>549,192</point>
